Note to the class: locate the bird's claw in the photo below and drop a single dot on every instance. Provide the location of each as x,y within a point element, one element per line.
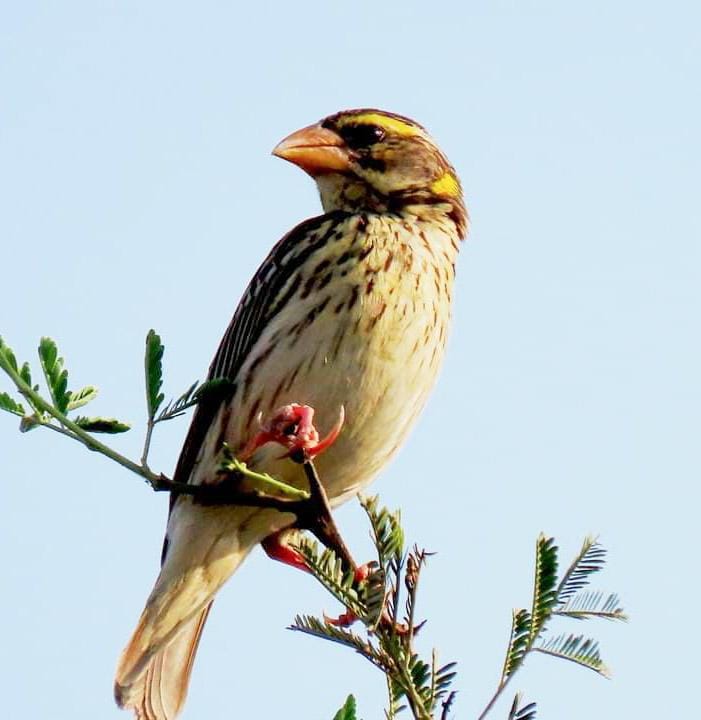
<point>292,427</point>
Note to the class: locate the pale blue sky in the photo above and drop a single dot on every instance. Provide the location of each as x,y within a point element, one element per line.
<point>137,190</point>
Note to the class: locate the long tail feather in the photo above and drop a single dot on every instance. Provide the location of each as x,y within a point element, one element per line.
<point>160,690</point>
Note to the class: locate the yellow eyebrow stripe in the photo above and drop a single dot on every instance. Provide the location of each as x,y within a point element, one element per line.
<point>393,125</point>
<point>447,185</point>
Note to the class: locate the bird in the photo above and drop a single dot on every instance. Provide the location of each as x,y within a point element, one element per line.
<point>349,312</point>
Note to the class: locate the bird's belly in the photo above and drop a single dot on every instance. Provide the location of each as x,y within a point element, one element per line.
<point>379,363</point>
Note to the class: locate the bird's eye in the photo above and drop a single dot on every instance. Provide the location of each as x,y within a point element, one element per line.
<point>362,136</point>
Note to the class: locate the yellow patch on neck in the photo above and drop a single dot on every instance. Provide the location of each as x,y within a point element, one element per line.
<point>446,185</point>
<point>392,125</point>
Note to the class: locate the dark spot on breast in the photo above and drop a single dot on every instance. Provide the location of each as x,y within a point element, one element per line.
<point>291,290</point>
<point>377,317</point>
<point>325,280</point>
<point>309,319</point>
<point>292,378</point>
<point>353,297</point>
<point>253,413</point>
<point>321,266</point>
<point>276,393</point>
<point>365,252</point>
<point>340,334</point>
<point>308,286</point>
<point>252,369</point>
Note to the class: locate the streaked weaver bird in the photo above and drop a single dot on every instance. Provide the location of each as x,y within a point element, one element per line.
<point>350,309</point>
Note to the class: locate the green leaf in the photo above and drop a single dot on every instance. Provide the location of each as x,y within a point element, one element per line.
<point>310,625</point>
<point>586,605</point>
<point>214,388</point>
<point>518,642</point>
<point>387,532</point>
<point>347,712</point>
<point>10,405</point>
<point>82,397</point>
<point>522,712</point>
<point>102,425</point>
<point>544,585</point>
<point>194,395</point>
<point>153,366</point>
<point>577,649</point>
<point>420,676</point>
<point>177,407</point>
<point>7,357</point>
<point>444,677</point>
<point>373,593</point>
<point>55,374</point>
<point>26,374</point>
<point>590,559</point>
<point>327,568</point>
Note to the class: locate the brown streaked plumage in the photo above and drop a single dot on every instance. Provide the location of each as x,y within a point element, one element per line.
<point>349,309</point>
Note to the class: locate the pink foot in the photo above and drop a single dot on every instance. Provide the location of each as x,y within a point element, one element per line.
<point>276,548</point>
<point>292,427</point>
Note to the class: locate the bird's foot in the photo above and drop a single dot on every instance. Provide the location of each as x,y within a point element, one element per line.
<point>277,548</point>
<point>292,426</point>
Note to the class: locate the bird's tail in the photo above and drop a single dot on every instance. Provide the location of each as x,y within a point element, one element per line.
<point>155,689</point>
<point>205,547</point>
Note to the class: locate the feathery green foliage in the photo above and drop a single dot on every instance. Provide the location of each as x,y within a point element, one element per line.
<point>309,625</point>
<point>518,642</point>
<point>82,397</point>
<point>375,602</point>
<point>153,368</point>
<point>8,361</point>
<point>347,712</point>
<point>387,532</point>
<point>109,426</point>
<point>522,712</point>
<point>327,568</point>
<point>196,393</point>
<point>590,559</point>
<point>592,604</point>
<point>544,586</point>
<point>563,599</point>
<point>577,649</point>
<point>54,372</point>
<point>178,406</point>
<point>10,405</point>
<point>53,414</point>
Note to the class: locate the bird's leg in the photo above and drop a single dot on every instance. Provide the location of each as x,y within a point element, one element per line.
<point>277,548</point>
<point>316,517</point>
<point>292,426</point>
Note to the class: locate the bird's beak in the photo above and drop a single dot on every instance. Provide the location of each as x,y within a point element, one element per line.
<point>315,149</point>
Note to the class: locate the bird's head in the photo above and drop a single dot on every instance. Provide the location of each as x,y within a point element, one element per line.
<point>376,161</point>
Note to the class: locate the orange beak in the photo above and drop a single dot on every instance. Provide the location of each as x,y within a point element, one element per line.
<point>315,149</point>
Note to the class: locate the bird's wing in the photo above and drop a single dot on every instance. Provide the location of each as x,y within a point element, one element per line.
<point>272,286</point>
